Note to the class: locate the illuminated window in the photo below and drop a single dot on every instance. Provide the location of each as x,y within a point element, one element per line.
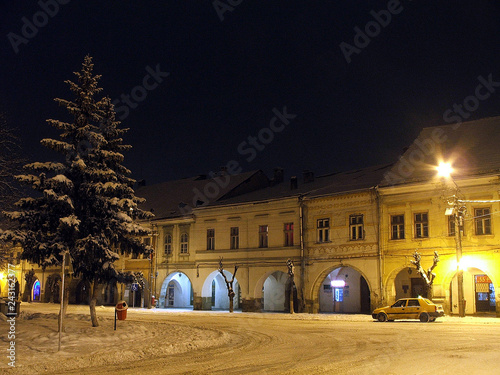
<point>323,230</point>
<point>421,225</point>
<point>356,230</point>
<point>288,229</point>
<point>482,221</point>
<point>451,225</point>
<point>184,243</point>
<point>235,238</point>
<point>397,227</point>
<point>263,234</point>
<point>210,239</point>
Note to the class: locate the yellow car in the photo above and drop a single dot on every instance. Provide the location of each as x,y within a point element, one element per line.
<point>409,308</point>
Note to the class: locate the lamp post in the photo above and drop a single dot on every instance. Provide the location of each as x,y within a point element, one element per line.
<point>457,211</point>
<point>152,257</point>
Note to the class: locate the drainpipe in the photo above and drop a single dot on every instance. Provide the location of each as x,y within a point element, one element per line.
<point>379,245</point>
<point>302,258</point>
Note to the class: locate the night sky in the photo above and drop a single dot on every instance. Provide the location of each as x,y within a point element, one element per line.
<point>226,77</point>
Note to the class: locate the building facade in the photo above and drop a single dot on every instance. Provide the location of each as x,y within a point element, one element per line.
<point>351,236</point>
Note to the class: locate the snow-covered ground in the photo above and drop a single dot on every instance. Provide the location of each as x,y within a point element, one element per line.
<point>154,336</point>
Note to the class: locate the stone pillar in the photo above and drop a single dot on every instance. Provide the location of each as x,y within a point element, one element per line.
<point>497,300</point>
<point>206,303</point>
<point>308,306</point>
<point>197,302</point>
<point>251,305</point>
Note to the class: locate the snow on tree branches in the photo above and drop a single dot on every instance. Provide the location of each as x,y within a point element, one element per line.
<point>84,204</point>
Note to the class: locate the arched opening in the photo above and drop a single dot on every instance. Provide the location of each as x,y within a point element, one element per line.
<point>344,290</point>
<point>276,293</point>
<point>36,291</point>
<point>176,291</point>
<point>479,292</point>
<point>409,284</point>
<point>110,291</point>
<point>214,292</point>
<point>83,293</point>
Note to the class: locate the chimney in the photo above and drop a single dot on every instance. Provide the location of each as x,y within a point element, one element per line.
<point>278,176</point>
<point>308,176</point>
<point>293,183</point>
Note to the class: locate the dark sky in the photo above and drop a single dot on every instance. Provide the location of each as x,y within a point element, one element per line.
<point>227,76</point>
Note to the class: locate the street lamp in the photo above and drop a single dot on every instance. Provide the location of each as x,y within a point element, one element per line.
<point>457,211</point>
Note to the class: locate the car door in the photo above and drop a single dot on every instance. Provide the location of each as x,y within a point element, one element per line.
<point>413,309</point>
<point>397,310</point>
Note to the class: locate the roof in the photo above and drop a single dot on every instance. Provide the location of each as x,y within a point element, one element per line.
<point>331,184</point>
<point>471,147</point>
<point>177,198</point>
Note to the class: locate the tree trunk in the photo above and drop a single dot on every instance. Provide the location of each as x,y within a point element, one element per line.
<point>65,305</point>
<point>93,302</point>
<point>230,304</point>
<point>429,292</point>
<point>291,299</point>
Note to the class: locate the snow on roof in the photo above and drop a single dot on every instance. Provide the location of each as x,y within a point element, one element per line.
<point>471,147</point>
<point>177,198</point>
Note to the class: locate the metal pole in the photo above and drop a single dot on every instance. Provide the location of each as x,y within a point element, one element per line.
<point>62,301</point>
<point>460,272</point>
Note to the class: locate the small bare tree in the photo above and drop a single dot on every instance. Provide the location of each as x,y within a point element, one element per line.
<point>428,275</point>
<point>229,284</point>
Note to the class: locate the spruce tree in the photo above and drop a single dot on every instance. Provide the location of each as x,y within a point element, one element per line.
<point>86,203</point>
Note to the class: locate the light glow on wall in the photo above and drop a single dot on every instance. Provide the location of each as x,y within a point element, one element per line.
<point>337,283</point>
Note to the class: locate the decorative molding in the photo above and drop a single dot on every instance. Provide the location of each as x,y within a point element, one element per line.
<point>346,204</point>
<point>343,249</point>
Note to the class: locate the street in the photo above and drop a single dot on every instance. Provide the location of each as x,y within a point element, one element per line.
<point>244,343</point>
<point>343,347</point>
<point>160,341</point>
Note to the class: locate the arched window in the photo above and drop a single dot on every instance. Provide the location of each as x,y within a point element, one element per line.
<point>168,244</point>
<point>184,243</point>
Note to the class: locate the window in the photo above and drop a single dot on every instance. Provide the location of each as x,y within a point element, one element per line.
<point>413,303</point>
<point>263,232</point>
<point>168,244</point>
<point>323,229</point>
<point>421,225</point>
<point>451,225</point>
<point>288,229</point>
<point>210,239</point>
<point>482,221</point>
<point>397,227</point>
<point>235,238</point>
<point>184,243</point>
<point>356,227</point>
<point>400,303</point>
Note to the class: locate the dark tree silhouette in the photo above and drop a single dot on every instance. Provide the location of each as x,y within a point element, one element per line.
<point>229,284</point>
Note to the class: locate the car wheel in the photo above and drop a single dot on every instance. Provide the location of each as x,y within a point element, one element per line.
<point>424,317</point>
<point>381,317</point>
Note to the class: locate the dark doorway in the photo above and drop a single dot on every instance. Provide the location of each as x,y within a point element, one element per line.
<point>365,296</point>
<point>83,293</point>
<point>418,287</point>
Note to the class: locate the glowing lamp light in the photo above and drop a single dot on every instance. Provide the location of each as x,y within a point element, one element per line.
<point>2,276</point>
<point>337,283</point>
<point>444,169</point>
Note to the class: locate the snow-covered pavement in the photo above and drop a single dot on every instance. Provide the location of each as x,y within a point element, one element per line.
<point>176,342</point>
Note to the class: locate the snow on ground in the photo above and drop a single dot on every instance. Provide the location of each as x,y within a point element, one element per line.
<point>37,339</point>
<point>144,335</point>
